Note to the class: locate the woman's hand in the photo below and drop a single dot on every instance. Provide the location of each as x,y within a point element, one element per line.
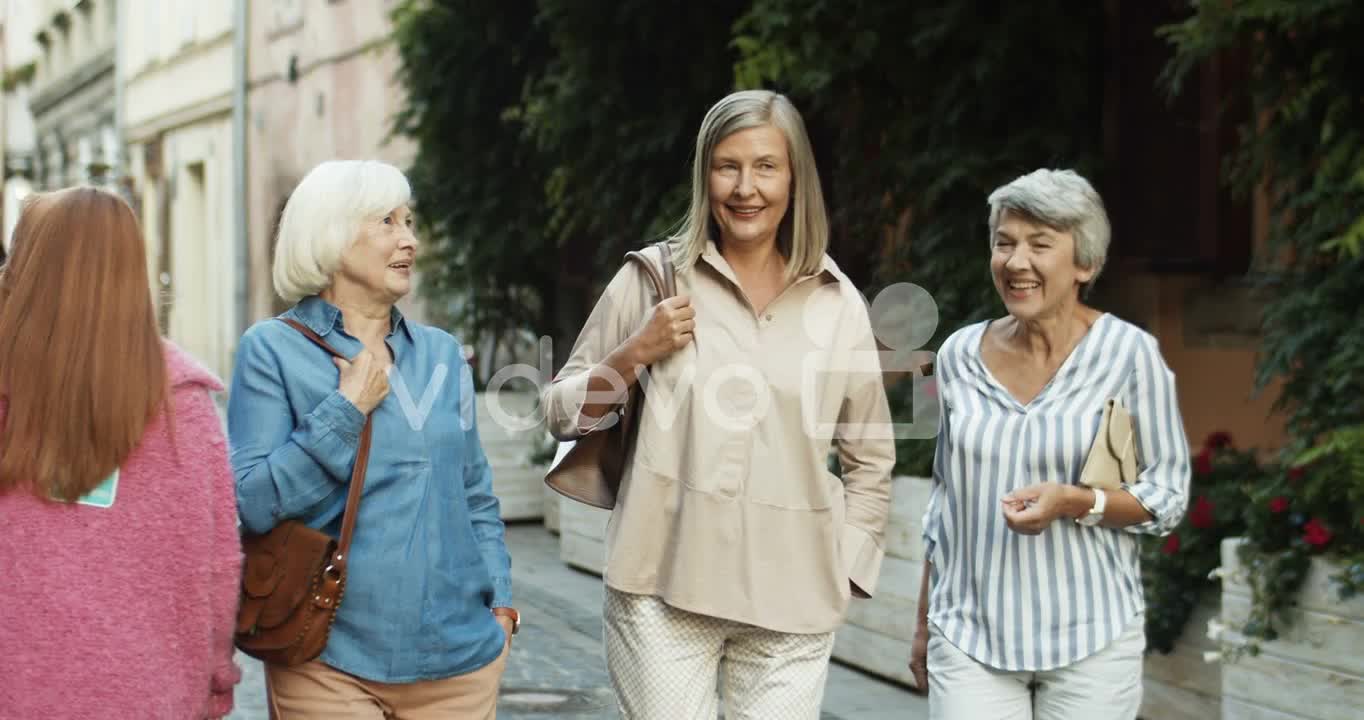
<point>363,382</point>
<point>668,329</point>
<point>1032,509</point>
<point>507,628</point>
<point>918,659</point>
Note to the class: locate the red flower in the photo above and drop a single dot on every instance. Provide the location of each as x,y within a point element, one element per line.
<point>1171,545</point>
<point>1218,440</point>
<point>1203,463</point>
<point>1201,516</point>
<point>1315,533</point>
<point>1278,504</point>
<point>1295,474</point>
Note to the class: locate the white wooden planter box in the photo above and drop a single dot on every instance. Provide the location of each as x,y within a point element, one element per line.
<point>517,483</point>
<point>1315,670</point>
<point>879,631</point>
<point>582,535</point>
<point>549,504</point>
<point>1181,686</point>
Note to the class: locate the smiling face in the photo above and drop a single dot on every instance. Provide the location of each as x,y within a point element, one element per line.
<point>380,261</point>
<point>750,185</point>
<point>1034,267</point>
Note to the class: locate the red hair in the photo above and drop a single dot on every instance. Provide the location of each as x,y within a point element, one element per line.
<point>82,368</point>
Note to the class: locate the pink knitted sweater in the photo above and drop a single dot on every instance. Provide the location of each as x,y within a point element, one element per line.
<point>127,611</point>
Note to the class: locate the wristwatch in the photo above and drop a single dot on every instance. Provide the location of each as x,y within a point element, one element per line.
<point>510,613</point>
<point>1096,513</point>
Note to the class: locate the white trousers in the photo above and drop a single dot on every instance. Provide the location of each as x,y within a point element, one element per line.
<point>670,664</point>
<point>1103,686</point>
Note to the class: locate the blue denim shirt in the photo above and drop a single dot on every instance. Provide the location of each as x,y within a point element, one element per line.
<point>428,558</point>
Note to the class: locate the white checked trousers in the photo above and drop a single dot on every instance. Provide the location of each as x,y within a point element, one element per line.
<point>670,664</point>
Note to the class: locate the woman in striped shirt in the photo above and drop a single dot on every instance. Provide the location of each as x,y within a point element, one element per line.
<point>1031,605</point>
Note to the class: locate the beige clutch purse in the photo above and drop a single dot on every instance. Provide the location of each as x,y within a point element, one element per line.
<point>1112,460</point>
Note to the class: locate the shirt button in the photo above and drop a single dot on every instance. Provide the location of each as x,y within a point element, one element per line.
<point>769,317</point>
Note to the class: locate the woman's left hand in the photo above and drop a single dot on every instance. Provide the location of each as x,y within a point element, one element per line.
<point>1032,509</point>
<point>506,624</point>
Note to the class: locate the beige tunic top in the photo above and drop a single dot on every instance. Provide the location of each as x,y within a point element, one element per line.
<point>727,507</point>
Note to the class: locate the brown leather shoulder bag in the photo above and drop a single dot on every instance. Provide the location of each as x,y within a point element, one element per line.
<point>294,576</point>
<point>591,469</point>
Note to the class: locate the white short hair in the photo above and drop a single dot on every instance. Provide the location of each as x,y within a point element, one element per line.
<point>1064,201</point>
<point>323,217</point>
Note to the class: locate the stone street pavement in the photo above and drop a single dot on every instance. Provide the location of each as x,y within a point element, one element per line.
<point>556,668</point>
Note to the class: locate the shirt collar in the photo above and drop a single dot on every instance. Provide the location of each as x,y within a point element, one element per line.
<point>828,269</point>
<point>322,317</point>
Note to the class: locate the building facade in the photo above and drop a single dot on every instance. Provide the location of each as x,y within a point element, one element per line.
<point>18,136</point>
<point>321,79</point>
<point>224,106</point>
<point>73,95</point>
<point>177,75</point>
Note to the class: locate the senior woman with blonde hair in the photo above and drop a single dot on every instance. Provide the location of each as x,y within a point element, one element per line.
<point>1031,605</point>
<point>426,622</point>
<point>732,551</point>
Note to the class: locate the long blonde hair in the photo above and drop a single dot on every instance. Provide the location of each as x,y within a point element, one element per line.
<point>803,236</point>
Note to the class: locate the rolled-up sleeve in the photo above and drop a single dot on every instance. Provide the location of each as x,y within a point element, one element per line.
<point>1163,480</point>
<point>284,470</point>
<point>866,453</point>
<point>617,312</point>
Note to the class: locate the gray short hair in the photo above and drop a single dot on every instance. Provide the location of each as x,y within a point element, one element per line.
<point>323,217</point>
<point>803,236</point>
<point>1064,201</point>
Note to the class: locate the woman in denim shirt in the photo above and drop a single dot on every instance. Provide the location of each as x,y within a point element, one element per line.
<point>426,622</point>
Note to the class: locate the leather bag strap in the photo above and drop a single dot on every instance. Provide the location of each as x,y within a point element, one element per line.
<point>665,283</point>
<point>357,475</point>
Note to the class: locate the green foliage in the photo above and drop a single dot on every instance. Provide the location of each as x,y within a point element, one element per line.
<point>1305,149</point>
<point>552,135</point>
<point>1305,146</point>
<point>1314,345</point>
<point>918,111</point>
<point>477,181</point>
<point>18,75</point>
<point>1175,569</point>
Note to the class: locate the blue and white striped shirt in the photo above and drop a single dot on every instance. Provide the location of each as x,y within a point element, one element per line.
<point>1037,602</point>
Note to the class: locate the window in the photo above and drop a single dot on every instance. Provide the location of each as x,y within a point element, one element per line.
<point>1163,186</point>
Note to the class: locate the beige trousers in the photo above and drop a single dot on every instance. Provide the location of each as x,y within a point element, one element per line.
<point>317,690</point>
<point>670,664</point>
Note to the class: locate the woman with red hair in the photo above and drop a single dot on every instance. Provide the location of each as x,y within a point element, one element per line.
<point>119,553</point>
